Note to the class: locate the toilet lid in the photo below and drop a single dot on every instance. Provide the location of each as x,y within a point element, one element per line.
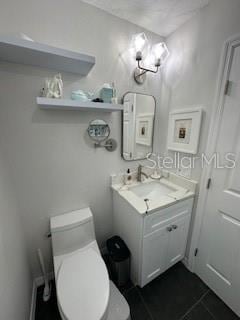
<point>83,286</point>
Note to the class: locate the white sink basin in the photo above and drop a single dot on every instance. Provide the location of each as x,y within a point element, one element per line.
<point>152,190</point>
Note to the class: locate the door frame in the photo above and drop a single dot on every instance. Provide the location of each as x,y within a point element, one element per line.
<point>216,116</point>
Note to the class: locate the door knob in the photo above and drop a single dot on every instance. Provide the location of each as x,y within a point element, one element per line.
<point>174,227</point>
<point>169,229</point>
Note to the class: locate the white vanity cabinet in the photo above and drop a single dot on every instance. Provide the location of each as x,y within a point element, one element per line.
<point>156,240</point>
<point>165,246</point>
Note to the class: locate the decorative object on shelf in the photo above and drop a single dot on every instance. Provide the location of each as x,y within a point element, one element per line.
<point>156,55</point>
<point>21,35</point>
<point>106,93</point>
<point>114,99</point>
<point>98,100</point>
<point>99,131</point>
<point>184,130</point>
<point>53,87</point>
<point>81,95</point>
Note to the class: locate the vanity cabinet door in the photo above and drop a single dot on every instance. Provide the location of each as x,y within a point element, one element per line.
<point>154,255</point>
<point>163,248</point>
<point>177,240</point>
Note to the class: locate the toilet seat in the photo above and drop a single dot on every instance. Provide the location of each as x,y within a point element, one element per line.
<point>83,286</point>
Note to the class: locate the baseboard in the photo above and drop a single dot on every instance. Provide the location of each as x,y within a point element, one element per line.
<point>37,282</point>
<point>33,302</point>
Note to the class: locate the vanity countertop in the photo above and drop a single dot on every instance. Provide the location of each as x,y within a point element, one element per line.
<point>159,193</point>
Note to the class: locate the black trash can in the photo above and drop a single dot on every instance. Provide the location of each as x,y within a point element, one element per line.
<point>119,256</point>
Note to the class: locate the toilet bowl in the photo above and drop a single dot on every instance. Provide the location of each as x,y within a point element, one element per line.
<point>84,290</point>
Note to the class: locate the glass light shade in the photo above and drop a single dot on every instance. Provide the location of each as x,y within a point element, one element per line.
<point>139,45</point>
<point>160,52</point>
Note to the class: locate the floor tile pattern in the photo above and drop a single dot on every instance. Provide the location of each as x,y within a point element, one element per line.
<point>175,295</point>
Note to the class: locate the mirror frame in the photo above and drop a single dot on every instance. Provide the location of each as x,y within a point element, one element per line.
<point>122,118</point>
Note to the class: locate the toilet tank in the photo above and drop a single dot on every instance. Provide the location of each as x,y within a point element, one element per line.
<point>72,231</point>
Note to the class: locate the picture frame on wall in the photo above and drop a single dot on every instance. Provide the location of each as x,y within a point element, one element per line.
<point>184,130</point>
<point>144,128</point>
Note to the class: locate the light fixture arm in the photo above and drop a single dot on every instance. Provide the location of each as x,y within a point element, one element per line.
<point>140,47</point>
<point>140,72</point>
<point>145,70</point>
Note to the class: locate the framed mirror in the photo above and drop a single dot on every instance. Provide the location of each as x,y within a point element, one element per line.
<point>138,125</point>
<point>98,130</point>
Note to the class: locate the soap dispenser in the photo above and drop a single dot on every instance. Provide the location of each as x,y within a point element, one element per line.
<point>128,177</point>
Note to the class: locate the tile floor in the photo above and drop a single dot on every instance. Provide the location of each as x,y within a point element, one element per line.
<point>175,295</point>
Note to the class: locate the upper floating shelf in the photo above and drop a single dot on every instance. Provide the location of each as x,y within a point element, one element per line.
<point>68,104</point>
<point>18,50</point>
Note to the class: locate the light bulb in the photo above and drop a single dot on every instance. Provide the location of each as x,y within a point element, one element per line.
<point>139,42</point>
<point>139,45</point>
<point>161,53</point>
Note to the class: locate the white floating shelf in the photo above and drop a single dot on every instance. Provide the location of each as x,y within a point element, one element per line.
<point>18,50</point>
<point>68,104</point>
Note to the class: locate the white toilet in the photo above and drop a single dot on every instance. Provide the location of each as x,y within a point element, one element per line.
<point>84,291</point>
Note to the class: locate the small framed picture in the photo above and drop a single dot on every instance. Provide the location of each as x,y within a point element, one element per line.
<point>184,130</point>
<point>144,128</point>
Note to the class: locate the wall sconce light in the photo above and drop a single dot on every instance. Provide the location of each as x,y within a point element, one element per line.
<point>158,53</point>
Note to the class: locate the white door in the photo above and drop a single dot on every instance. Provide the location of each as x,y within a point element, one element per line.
<point>218,261</point>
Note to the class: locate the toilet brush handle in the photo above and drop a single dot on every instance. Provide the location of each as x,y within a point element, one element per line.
<point>47,288</point>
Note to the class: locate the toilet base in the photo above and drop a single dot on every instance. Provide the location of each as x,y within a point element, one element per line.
<point>118,308</point>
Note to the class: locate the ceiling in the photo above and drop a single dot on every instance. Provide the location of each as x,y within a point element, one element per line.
<point>159,16</point>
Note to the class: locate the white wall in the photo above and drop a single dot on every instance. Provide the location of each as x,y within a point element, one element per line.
<point>190,77</point>
<point>191,74</point>
<point>53,165</point>
<point>15,275</point>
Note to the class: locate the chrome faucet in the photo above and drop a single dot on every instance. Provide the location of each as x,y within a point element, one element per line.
<point>140,173</point>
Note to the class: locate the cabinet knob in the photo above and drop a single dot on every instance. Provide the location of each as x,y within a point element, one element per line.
<point>169,229</point>
<point>174,227</point>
